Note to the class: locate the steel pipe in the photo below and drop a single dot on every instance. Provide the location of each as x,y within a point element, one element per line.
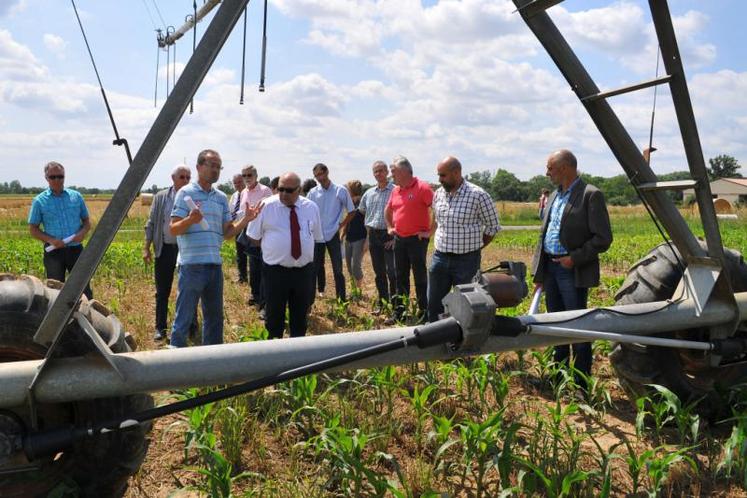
<point>72,379</point>
<point>595,335</point>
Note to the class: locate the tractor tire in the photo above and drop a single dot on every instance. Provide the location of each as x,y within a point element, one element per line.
<point>98,466</point>
<point>684,372</point>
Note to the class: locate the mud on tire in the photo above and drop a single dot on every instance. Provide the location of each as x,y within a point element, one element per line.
<point>686,373</point>
<point>99,466</point>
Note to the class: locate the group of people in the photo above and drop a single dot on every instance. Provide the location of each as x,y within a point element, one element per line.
<point>285,236</point>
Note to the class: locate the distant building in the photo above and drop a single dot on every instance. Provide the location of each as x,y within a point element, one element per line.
<point>731,190</point>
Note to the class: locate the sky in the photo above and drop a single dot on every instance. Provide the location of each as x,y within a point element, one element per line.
<point>351,82</point>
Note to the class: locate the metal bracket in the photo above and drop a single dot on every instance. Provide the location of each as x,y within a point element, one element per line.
<point>98,343</point>
<point>700,279</point>
<point>474,309</point>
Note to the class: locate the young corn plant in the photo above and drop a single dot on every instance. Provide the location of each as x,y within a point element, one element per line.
<point>344,451</point>
<point>479,442</point>
<point>231,421</point>
<point>733,463</point>
<point>218,474</point>
<point>664,407</point>
<point>420,401</point>
<point>658,468</point>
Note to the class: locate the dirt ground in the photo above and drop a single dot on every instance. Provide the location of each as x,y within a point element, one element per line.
<point>164,471</point>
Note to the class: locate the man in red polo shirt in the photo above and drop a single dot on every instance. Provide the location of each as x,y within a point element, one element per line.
<point>408,219</point>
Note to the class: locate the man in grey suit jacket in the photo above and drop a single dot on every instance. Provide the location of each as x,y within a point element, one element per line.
<point>575,230</point>
<point>164,245</point>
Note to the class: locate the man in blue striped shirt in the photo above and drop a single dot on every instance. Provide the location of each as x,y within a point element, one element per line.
<point>381,244</point>
<point>64,215</point>
<point>201,220</point>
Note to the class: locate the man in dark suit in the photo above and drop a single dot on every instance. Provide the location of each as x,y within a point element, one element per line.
<point>575,230</point>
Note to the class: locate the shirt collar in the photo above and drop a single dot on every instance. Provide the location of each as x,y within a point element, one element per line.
<point>388,186</point>
<point>412,183</point>
<point>570,187</point>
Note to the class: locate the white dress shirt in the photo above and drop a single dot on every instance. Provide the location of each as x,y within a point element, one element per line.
<point>272,226</point>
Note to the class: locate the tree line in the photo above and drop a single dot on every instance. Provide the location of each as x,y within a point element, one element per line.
<point>501,185</point>
<point>505,186</point>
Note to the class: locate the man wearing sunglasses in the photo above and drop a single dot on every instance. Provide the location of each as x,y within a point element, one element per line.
<point>165,249</point>
<point>64,215</point>
<point>288,226</point>
<point>253,195</point>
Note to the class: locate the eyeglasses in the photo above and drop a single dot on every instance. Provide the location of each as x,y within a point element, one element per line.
<point>56,177</point>
<point>287,190</point>
<point>184,177</point>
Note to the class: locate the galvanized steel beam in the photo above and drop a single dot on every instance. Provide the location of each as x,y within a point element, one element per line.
<point>148,371</point>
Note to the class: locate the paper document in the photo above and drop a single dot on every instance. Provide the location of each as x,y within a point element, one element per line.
<point>192,205</point>
<point>66,240</point>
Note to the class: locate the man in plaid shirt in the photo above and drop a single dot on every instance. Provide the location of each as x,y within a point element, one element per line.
<point>466,221</point>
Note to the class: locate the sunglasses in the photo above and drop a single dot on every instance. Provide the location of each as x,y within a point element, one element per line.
<point>56,177</point>
<point>287,190</point>
<point>184,177</point>
<point>248,176</point>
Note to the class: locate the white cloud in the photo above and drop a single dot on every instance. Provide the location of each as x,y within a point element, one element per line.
<point>55,44</point>
<point>17,62</point>
<point>11,7</point>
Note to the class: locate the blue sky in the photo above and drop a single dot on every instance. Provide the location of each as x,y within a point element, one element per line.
<point>350,82</point>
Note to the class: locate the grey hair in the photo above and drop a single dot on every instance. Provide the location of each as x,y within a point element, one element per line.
<point>565,156</point>
<point>376,164</point>
<point>52,164</point>
<point>402,162</point>
<point>249,168</point>
<point>178,168</point>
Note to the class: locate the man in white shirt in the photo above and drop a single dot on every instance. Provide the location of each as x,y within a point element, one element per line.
<point>288,226</point>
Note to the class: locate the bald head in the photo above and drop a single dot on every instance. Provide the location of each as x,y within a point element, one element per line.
<point>564,157</point>
<point>450,173</point>
<point>562,168</point>
<point>289,188</point>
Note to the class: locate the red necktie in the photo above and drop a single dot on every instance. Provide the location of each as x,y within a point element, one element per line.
<point>295,234</point>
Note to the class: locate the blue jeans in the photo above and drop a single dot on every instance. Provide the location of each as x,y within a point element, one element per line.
<point>446,271</point>
<point>205,283</point>
<point>561,294</point>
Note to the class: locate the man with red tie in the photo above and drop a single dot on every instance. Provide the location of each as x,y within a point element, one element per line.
<point>288,226</point>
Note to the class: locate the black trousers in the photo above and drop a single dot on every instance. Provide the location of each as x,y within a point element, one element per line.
<point>241,255</point>
<point>255,273</point>
<point>332,246</point>
<point>409,255</point>
<point>382,260</point>
<point>164,267</point>
<point>291,287</point>
<point>61,261</point>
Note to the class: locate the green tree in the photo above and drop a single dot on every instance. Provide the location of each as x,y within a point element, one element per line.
<point>723,166</point>
<point>506,187</point>
<point>265,180</point>
<point>226,187</point>
<point>482,179</point>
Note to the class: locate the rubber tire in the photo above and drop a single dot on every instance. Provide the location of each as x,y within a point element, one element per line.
<point>96,467</point>
<point>684,372</point>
